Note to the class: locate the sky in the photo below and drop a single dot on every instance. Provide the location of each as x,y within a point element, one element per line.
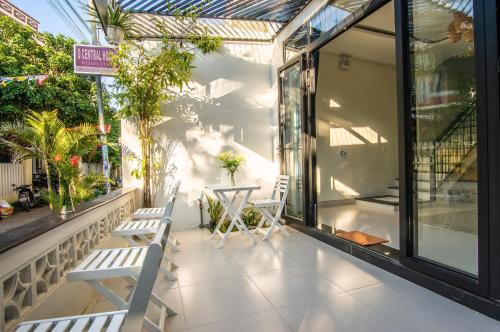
<point>50,21</point>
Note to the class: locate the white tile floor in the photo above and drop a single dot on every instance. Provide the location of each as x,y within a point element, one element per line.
<point>296,284</point>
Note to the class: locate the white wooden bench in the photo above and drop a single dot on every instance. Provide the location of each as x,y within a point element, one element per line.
<point>132,317</point>
<point>274,204</point>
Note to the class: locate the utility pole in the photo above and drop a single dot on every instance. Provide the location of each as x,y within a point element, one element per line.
<point>100,108</point>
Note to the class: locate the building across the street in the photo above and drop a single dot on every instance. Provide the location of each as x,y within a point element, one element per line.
<point>8,9</point>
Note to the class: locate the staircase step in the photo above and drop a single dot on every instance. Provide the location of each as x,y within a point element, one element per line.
<point>392,191</point>
<point>388,203</point>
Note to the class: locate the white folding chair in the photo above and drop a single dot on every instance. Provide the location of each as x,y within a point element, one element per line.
<point>132,315</point>
<point>126,263</point>
<point>276,204</point>
<point>154,214</point>
<point>145,229</point>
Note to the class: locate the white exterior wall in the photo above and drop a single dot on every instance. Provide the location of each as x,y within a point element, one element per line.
<point>229,106</point>
<point>232,104</point>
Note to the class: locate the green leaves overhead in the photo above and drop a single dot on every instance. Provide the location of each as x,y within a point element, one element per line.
<point>24,51</point>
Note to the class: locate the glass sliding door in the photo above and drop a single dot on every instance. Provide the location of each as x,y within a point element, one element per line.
<point>356,135</point>
<point>444,133</point>
<point>291,138</point>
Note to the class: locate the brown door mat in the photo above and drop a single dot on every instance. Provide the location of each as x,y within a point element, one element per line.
<point>361,238</point>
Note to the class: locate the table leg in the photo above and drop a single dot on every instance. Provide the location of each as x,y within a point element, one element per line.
<point>226,210</point>
<point>236,219</point>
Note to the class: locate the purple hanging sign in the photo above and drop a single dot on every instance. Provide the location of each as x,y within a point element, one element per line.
<point>93,60</point>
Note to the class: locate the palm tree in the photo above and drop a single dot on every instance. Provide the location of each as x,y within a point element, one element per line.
<point>35,138</point>
<point>44,136</point>
<point>71,144</point>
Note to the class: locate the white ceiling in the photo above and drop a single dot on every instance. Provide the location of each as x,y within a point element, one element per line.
<point>368,45</point>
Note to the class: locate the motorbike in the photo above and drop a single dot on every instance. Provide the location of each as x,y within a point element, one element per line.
<point>27,198</point>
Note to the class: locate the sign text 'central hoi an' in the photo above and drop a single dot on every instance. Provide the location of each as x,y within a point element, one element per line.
<point>93,60</point>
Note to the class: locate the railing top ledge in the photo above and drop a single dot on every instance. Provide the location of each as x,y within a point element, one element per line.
<point>20,235</point>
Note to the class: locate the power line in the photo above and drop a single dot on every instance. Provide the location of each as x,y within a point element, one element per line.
<point>65,18</point>
<point>62,12</point>
<point>69,16</point>
<point>77,14</point>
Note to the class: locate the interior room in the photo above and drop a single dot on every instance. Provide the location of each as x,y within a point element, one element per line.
<point>357,134</point>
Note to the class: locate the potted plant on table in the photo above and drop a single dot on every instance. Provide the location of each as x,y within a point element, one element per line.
<point>231,162</point>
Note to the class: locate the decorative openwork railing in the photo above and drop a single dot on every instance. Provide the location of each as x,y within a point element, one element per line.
<point>32,271</point>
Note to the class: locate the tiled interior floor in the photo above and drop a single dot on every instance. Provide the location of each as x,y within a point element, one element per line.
<point>457,249</point>
<point>357,217</point>
<point>296,284</point>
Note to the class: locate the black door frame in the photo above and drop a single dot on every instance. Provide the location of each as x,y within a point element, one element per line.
<point>486,44</point>
<point>479,284</point>
<point>309,63</point>
<point>301,61</point>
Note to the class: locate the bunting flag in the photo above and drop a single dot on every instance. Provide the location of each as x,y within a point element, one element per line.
<point>38,79</point>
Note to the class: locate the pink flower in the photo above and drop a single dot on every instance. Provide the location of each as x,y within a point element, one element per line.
<point>57,158</point>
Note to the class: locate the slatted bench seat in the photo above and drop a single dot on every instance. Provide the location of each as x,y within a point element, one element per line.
<point>110,263</point>
<point>148,213</point>
<point>107,321</point>
<point>132,228</point>
<point>147,220</point>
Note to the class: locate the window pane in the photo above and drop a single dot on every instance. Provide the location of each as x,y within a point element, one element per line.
<point>292,139</point>
<point>444,129</point>
<point>323,21</point>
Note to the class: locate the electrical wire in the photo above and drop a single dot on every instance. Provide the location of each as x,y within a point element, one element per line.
<point>78,15</point>
<point>67,18</point>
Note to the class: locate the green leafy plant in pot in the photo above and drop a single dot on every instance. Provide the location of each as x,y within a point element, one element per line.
<point>231,162</point>
<point>117,22</point>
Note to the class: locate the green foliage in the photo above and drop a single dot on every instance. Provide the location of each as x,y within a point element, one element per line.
<point>147,77</point>
<point>24,51</point>
<point>250,215</point>
<point>230,161</point>
<point>35,138</point>
<point>45,137</point>
<point>115,16</point>
<point>88,187</point>
<point>214,210</point>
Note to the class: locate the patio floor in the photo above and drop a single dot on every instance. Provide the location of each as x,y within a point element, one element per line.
<point>296,284</point>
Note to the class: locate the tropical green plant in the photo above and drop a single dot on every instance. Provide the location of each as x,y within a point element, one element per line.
<point>118,17</point>
<point>115,16</point>
<point>145,78</point>
<point>44,136</point>
<point>71,144</point>
<point>36,138</point>
<point>214,210</point>
<point>231,162</point>
<point>251,217</point>
<point>24,51</point>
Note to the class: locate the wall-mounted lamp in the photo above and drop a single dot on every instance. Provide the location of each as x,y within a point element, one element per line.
<point>345,62</point>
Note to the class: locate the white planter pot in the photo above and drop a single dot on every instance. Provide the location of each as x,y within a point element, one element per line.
<point>114,35</point>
